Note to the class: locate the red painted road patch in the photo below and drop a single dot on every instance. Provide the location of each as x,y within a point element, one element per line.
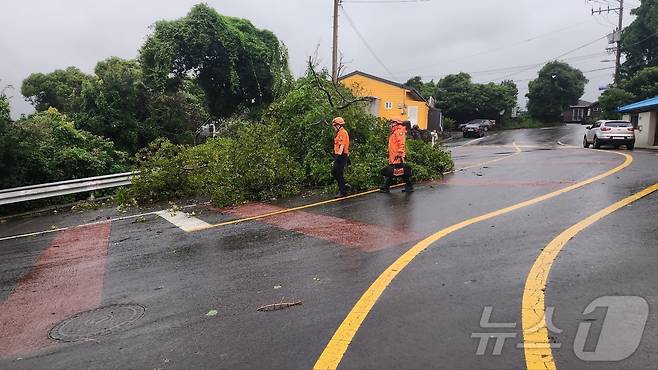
<point>66,279</point>
<point>349,233</point>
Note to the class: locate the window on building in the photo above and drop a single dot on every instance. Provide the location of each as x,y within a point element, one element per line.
<point>388,105</point>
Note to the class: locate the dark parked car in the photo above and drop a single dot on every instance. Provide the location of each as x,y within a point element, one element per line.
<point>473,130</point>
<point>487,124</point>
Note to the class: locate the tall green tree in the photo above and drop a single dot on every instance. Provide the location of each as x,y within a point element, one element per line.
<point>463,100</point>
<point>6,142</point>
<point>643,84</point>
<point>175,115</point>
<point>457,96</point>
<point>556,88</point>
<point>5,112</point>
<point>113,105</point>
<point>640,39</point>
<point>236,64</point>
<point>426,89</point>
<point>496,100</point>
<point>612,99</point>
<point>60,89</point>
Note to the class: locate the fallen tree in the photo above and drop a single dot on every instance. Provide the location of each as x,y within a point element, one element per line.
<point>288,149</point>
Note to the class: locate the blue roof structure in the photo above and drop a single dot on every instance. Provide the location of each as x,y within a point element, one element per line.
<point>639,106</point>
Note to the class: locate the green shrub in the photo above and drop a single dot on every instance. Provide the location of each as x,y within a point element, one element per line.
<point>264,168</point>
<point>449,124</point>
<point>46,147</point>
<point>162,175</point>
<point>368,159</point>
<point>428,163</point>
<point>252,166</point>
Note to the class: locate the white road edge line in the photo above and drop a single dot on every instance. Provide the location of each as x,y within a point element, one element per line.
<point>182,220</point>
<point>87,224</point>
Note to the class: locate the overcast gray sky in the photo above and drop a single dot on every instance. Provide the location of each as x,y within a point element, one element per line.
<point>428,38</point>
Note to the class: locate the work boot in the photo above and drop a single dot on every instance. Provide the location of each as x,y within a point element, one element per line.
<point>408,188</point>
<point>386,186</point>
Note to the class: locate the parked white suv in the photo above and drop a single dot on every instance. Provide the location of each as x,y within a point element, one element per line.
<point>609,132</point>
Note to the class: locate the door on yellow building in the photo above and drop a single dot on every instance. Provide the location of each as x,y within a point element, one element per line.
<point>413,115</point>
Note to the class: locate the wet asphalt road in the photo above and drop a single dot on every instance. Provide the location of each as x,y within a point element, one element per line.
<point>201,289</point>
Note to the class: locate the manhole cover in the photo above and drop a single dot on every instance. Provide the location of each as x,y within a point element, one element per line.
<point>94,323</point>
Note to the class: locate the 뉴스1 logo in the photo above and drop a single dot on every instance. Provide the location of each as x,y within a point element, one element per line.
<point>620,336</point>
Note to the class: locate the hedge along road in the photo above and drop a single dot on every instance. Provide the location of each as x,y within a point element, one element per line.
<point>340,341</point>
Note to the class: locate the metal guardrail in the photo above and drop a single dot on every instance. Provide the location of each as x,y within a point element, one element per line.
<point>55,189</point>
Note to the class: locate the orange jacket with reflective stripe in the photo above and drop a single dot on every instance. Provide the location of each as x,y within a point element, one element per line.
<point>342,137</point>
<point>397,146</point>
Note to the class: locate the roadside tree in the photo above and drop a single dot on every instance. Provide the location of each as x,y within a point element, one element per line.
<point>612,99</point>
<point>60,89</point>
<point>640,39</point>
<point>463,100</point>
<point>236,64</point>
<point>557,87</point>
<point>643,84</point>
<point>426,89</point>
<point>47,147</point>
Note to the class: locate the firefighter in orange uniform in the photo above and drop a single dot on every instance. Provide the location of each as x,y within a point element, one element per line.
<point>341,155</point>
<point>397,153</point>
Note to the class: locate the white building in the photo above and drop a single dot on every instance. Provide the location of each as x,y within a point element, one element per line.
<point>644,116</point>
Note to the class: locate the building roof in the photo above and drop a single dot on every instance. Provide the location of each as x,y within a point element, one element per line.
<point>581,104</point>
<point>639,106</point>
<point>389,82</point>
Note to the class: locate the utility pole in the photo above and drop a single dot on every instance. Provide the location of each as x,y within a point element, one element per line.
<point>618,62</point>
<point>616,35</point>
<point>334,54</point>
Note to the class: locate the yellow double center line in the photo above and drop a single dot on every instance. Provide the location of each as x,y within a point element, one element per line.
<point>538,354</point>
<point>338,344</point>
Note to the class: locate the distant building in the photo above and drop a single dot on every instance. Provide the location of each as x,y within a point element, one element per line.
<point>644,116</point>
<point>390,99</point>
<point>582,112</point>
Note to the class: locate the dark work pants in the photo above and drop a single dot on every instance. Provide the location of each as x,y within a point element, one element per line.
<point>337,172</point>
<point>387,172</point>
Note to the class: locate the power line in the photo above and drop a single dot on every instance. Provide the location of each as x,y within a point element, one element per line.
<point>556,58</point>
<point>584,72</point>
<point>515,68</point>
<point>365,43</point>
<point>509,46</point>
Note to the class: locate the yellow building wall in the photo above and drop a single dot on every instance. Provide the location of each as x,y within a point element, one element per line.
<point>364,86</point>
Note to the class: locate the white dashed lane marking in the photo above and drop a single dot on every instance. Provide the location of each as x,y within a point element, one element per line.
<point>183,220</point>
